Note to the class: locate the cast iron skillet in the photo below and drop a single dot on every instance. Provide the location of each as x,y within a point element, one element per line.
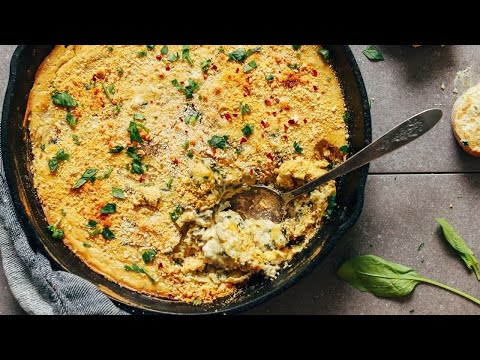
<point>17,157</point>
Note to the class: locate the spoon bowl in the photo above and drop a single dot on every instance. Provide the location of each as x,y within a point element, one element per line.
<point>264,202</point>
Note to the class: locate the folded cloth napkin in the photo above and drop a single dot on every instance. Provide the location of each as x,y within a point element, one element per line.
<point>38,288</point>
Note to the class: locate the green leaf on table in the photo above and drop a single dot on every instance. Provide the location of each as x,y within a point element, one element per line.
<point>372,53</point>
<point>370,273</point>
<point>458,244</point>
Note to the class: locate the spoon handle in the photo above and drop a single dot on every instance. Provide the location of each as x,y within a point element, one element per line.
<point>404,133</point>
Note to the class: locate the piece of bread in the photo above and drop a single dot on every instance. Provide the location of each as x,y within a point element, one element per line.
<point>466,120</point>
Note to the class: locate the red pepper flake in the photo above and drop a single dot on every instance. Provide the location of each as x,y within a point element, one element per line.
<point>270,156</point>
<point>175,161</point>
<point>237,70</point>
<point>304,121</point>
<point>251,171</point>
<point>235,115</point>
<point>214,150</point>
<point>291,121</point>
<point>142,178</point>
<point>315,88</point>
<point>243,141</point>
<point>285,127</point>
<point>268,102</point>
<point>182,82</point>
<point>180,119</point>
<point>274,113</point>
<point>214,67</point>
<point>285,137</point>
<point>228,117</point>
<point>158,57</point>
<point>262,135</point>
<point>277,100</point>
<point>205,76</point>
<point>94,77</point>
<point>314,73</point>
<point>160,265</point>
<point>264,124</point>
<point>246,91</point>
<point>167,68</point>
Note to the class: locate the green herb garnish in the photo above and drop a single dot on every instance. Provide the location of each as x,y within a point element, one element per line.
<point>370,273</point>
<point>118,107</point>
<point>173,57</point>
<point>137,161</point>
<point>186,54</point>
<point>325,54</point>
<point>296,47</point>
<point>60,156</point>
<point>240,55</point>
<point>107,234</point>
<point>87,245</point>
<point>63,99</point>
<point>120,71</point>
<point>107,173</point>
<point>247,130</point>
<point>456,241</point>
<point>89,174</point>
<point>150,47</point>
<point>164,50</point>
<point>134,133</point>
<point>149,255</point>
<point>176,213</point>
<point>92,224</point>
<point>330,207</point>
<point>219,142</point>
<point>142,53</point>
<point>190,154</point>
<point>269,77</point>
<point>138,117</point>
<point>245,109</point>
<point>420,247</point>
<point>57,233</point>
<point>206,65</point>
<point>169,184</point>
<point>116,149</point>
<point>76,139</point>
<point>139,270</point>
<point>346,117</point>
<point>372,53</point>
<point>250,66</point>
<point>189,89</point>
<point>344,148</point>
<point>71,119</point>
<point>118,193</point>
<point>297,147</point>
<point>108,209</point>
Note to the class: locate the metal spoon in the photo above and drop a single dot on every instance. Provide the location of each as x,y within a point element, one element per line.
<point>263,202</point>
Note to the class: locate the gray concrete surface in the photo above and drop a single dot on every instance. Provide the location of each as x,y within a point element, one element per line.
<point>405,192</point>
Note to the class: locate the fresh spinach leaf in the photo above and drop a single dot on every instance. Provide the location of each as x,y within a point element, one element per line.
<point>456,241</point>
<point>370,273</point>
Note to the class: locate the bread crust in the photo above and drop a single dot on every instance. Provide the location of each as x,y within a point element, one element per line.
<point>466,120</point>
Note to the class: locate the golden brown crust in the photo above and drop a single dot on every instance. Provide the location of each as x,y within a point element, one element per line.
<point>466,120</point>
<point>196,257</point>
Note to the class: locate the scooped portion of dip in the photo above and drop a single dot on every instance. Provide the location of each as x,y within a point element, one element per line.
<point>137,150</point>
